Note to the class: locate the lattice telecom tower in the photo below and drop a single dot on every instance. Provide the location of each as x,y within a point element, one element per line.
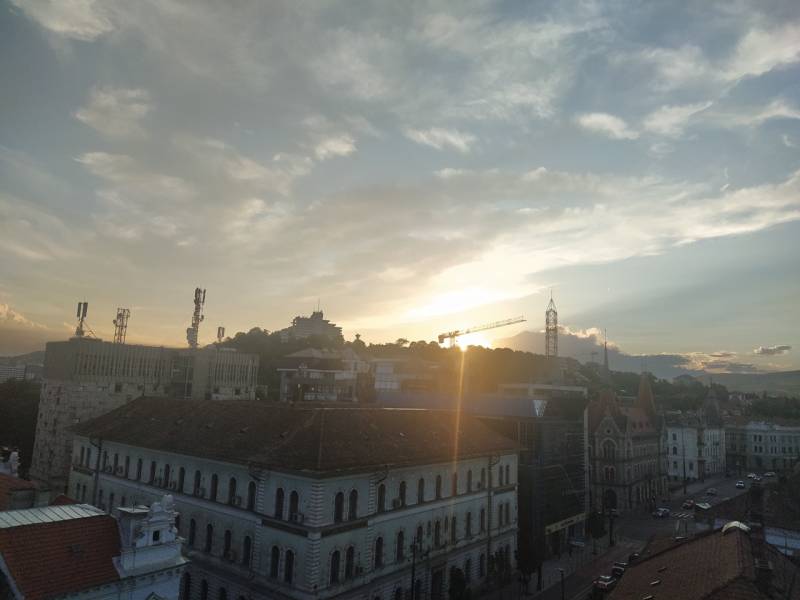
<point>83,308</point>
<point>121,325</point>
<point>551,329</point>
<point>197,317</point>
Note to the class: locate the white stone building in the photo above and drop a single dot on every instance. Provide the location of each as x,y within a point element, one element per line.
<point>290,502</point>
<point>758,445</point>
<point>78,551</point>
<point>86,377</point>
<point>695,448</point>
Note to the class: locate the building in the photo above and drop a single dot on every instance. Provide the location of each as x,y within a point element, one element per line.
<point>77,550</point>
<point>320,375</point>
<point>753,445</point>
<point>732,562</point>
<point>695,442</point>
<point>314,326</point>
<point>404,374</point>
<point>542,391</point>
<point>312,502</point>
<point>87,377</point>
<point>625,454</point>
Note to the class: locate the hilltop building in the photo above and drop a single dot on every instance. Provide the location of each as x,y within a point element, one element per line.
<point>319,375</point>
<point>312,502</point>
<point>86,377</point>
<point>315,325</point>
<point>625,453</point>
<point>76,550</point>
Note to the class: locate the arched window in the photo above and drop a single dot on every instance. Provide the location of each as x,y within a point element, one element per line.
<point>381,498</point>
<point>152,477</point>
<point>483,478</point>
<point>469,524</point>
<point>500,475</point>
<point>609,450</point>
<point>482,566</point>
<point>209,538</point>
<point>186,590</point>
<point>127,466</point>
<point>469,480</point>
<point>279,503</point>
<point>204,590</point>
<point>483,519</point>
<point>508,474</point>
<point>400,548</point>
<point>251,495</point>
<point>402,493</point>
<point>232,490</point>
<point>437,534</point>
<point>418,539</point>
<point>197,481</point>
<point>116,462</point>
<point>453,530</point>
<point>468,569</point>
<point>421,490</point>
<point>336,559</point>
<point>111,502</point>
<point>192,532</point>
<point>274,563</point>
<point>167,475</point>
<point>352,506</point>
<point>226,550</point>
<point>438,486</point>
<point>288,566</point>
<point>294,505</point>
<point>181,479</point>
<point>83,455</point>
<point>379,552</point>
<point>338,507</point>
<point>139,470</point>
<point>223,594</point>
<point>214,486</point>
<point>349,562</point>
<point>500,514</point>
<point>454,486</point>
<point>674,451</point>
<point>247,550</point>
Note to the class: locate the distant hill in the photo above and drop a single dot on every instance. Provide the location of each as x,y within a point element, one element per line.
<point>783,382</point>
<point>32,358</point>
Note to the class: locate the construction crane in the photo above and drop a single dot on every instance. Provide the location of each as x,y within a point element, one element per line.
<point>452,335</point>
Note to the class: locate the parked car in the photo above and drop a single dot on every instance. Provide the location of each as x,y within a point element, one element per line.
<point>769,474</point>
<point>617,571</point>
<point>633,557</point>
<point>711,492</point>
<point>688,504</point>
<point>757,478</point>
<point>740,484</point>
<point>751,475</point>
<point>661,513</point>
<point>605,583</point>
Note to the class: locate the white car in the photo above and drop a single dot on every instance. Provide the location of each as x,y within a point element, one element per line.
<point>740,484</point>
<point>769,474</point>
<point>751,475</point>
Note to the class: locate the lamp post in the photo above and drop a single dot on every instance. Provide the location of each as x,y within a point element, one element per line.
<point>560,570</point>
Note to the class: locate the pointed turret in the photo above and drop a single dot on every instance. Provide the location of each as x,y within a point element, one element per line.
<point>645,399</point>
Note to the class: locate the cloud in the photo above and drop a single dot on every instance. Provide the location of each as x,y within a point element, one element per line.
<point>670,121</point>
<point>12,318</point>
<point>116,112</point>
<point>341,145</point>
<point>609,125</point>
<point>787,141</point>
<point>762,50</point>
<point>439,138</point>
<point>772,350</point>
<point>83,20</point>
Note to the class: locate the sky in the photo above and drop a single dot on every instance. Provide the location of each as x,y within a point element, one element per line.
<point>414,167</point>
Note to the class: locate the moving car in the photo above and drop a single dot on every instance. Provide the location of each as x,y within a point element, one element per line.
<point>661,513</point>
<point>757,478</point>
<point>769,474</point>
<point>751,475</point>
<point>711,492</point>
<point>688,504</point>
<point>633,557</point>
<point>605,583</point>
<point>740,484</point>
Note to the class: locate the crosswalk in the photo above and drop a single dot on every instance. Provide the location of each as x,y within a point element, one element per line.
<point>683,515</point>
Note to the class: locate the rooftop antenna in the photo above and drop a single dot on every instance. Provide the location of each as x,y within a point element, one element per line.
<point>220,334</point>
<point>83,308</point>
<point>551,329</point>
<point>197,317</point>
<point>121,325</point>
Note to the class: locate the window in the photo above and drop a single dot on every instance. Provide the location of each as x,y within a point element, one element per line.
<point>437,534</point>
<point>349,562</point>
<point>483,478</point>
<point>483,519</point>
<point>453,530</point>
<point>152,476</point>
<point>181,479</point>
<point>274,563</point>
<point>399,548</point>
<point>247,549</point>
<point>500,514</point>
<point>204,590</point>
<point>381,498</point>
<point>500,475</point>
<point>209,538</point>
<point>288,566</point>
<point>421,490</point>
<point>338,508</point>
<point>251,495</point>
<point>379,552</point>
<point>469,480</point>
<point>232,490</point>
<point>192,531</point>
<point>508,474</point>
<point>279,504</point>
<point>105,460</point>
<point>335,560</point>
<point>127,466</point>
<point>294,505</point>
<point>674,437</point>
<point>167,473</point>
<point>197,480</point>
<point>674,451</point>
<point>482,566</point>
<point>352,506</point>
<point>438,486</point>
<point>111,502</point>
<point>468,569</point>
<point>226,550</point>
<point>469,524</point>
<point>455,484</point>
<point>402,493</point>
<point>156,535</point>
<point>214,486</point>
<point>609,450</point>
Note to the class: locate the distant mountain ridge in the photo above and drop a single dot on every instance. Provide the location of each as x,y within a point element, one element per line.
<point>31,358</point>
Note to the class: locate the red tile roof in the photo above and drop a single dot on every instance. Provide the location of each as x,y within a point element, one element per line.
<point>322,440</point>
<point>61,557</point>
<point>9,484</point>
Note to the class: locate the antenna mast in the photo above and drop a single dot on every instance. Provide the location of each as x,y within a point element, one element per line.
<point>220,334</point>
<point>197,317</point>
<point>83,308</point>
<point>121,325</point>
<point>551,329</point>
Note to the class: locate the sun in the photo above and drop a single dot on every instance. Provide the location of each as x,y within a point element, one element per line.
<point>473,339</point>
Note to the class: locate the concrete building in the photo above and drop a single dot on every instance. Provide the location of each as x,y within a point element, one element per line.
<point>314,326</point>
<point>625,452</point>
<point>404,374</point>
<point>320,375</point>
<point>755,445</point>
<point>695,442</point>
<point>87,377</point>
<point>312,502</point>
<point>78,551</point>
